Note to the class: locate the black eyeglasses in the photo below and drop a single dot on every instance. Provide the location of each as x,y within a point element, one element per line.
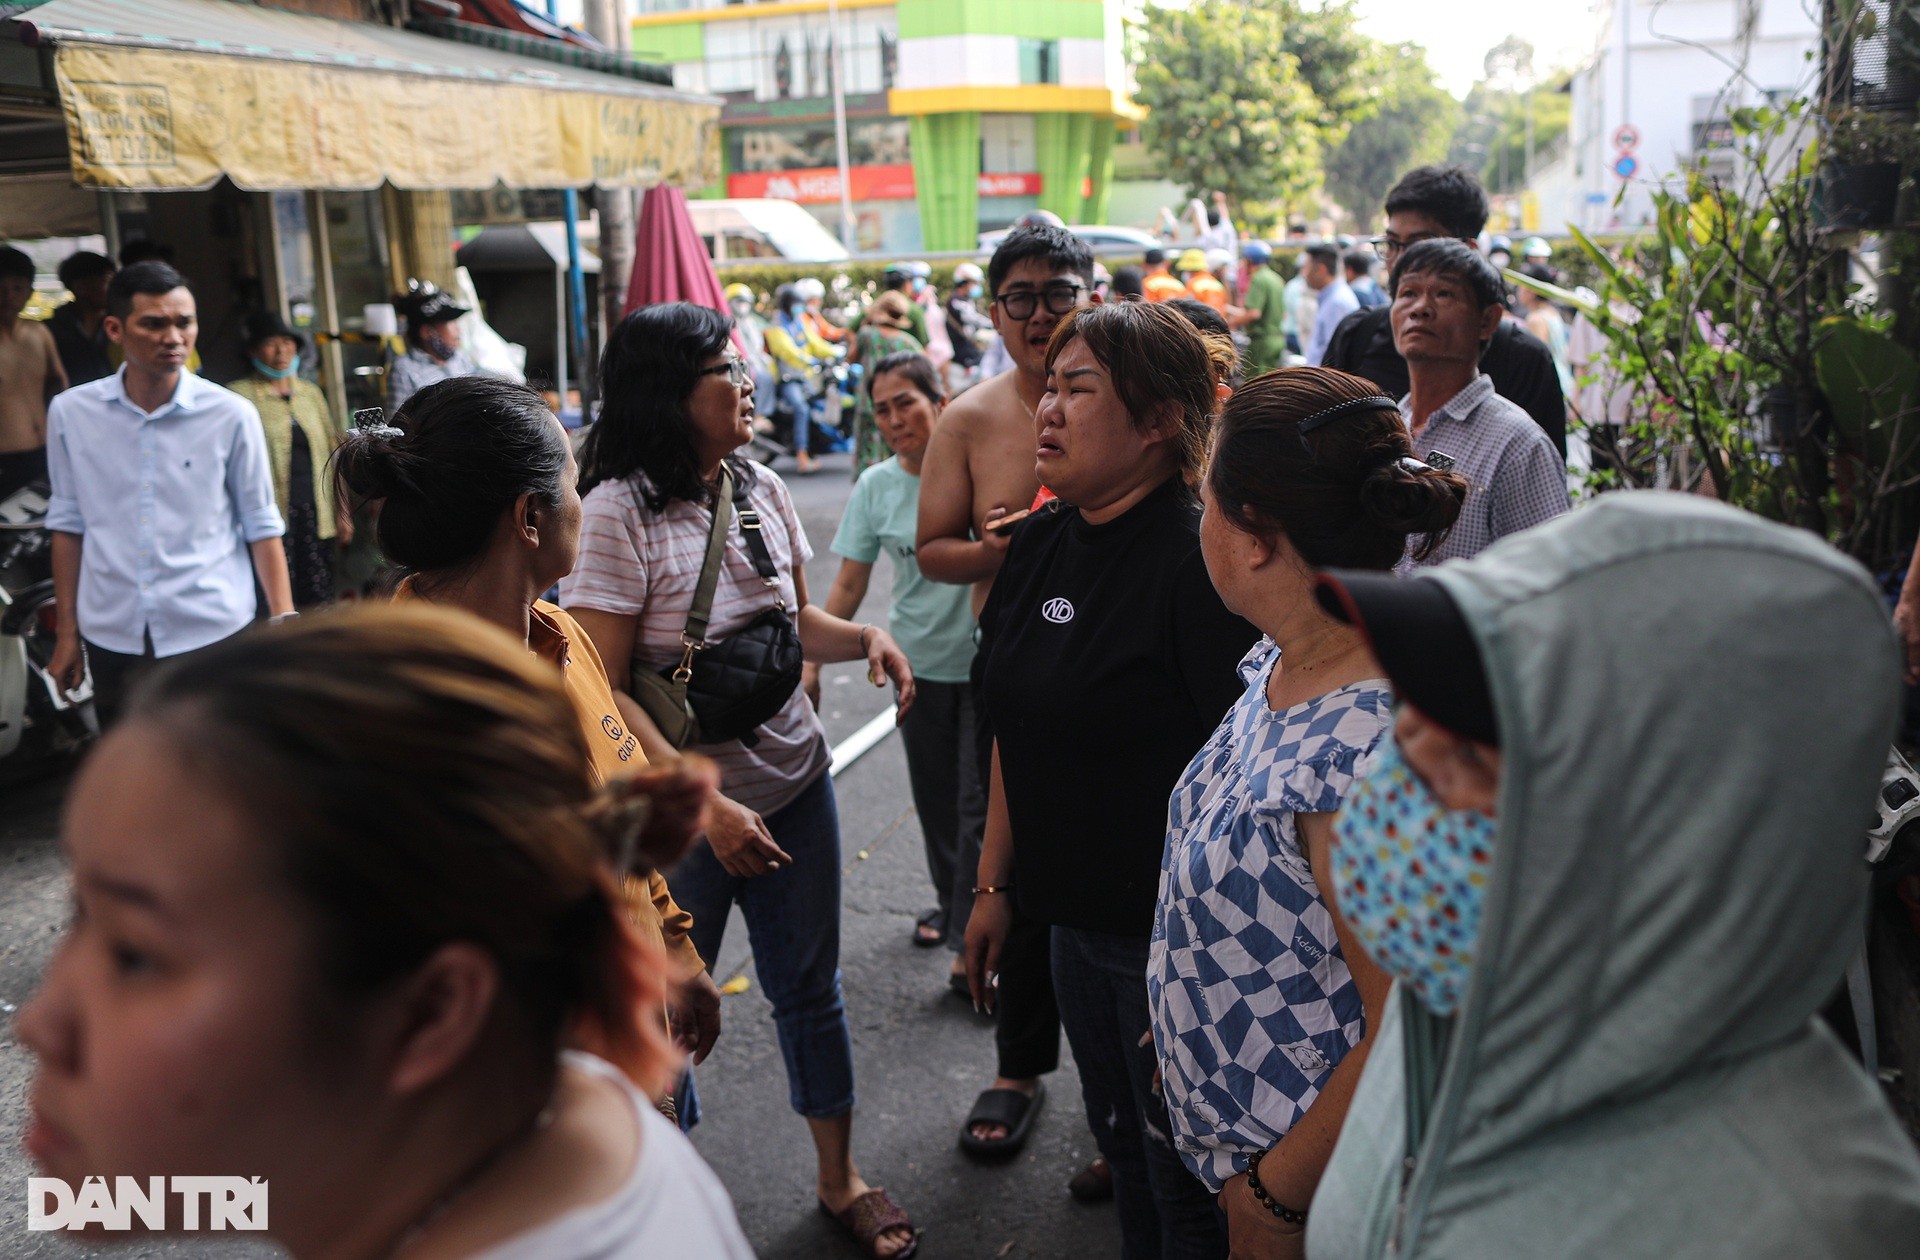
<point>738,374</point>
<point>1061,298</point>
<point>1389,247</point>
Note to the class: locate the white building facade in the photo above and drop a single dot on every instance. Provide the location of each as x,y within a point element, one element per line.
<point>1666,75</point>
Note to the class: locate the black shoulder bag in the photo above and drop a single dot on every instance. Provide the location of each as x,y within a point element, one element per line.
<point>724,689</point>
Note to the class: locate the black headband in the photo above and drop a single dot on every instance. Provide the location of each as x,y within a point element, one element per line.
<point>1373,402</point>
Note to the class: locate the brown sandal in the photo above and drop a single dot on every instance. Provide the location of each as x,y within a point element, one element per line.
<point>871,1215</point>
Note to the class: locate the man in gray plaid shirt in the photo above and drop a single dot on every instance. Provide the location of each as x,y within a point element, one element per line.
<point>1447,302</point>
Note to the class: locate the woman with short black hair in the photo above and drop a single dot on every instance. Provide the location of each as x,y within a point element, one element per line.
<point>678,408</point>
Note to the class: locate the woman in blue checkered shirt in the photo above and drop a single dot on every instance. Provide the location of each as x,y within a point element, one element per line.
<point>1261,1000</point>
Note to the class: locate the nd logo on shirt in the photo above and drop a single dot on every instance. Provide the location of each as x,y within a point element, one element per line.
<point>1058,611</point>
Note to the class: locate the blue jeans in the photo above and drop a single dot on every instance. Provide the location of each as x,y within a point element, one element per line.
<point>793,396</point>
<point>793,923</point>
<point>1100,981</point>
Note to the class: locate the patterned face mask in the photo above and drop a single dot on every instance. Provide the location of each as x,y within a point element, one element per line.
<point>1410,876</point>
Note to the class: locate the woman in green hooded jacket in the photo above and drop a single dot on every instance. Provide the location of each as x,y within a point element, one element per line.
<point>1612,855</point>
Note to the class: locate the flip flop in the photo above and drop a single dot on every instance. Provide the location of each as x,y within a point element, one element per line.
<point>1092,1184</point>
<point>1009,1107</point>
<point>871,1215</point>
<point>926,923</point>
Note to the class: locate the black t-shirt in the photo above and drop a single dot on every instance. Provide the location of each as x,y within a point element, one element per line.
<point>1518,362</point>
<point>1109,661</point>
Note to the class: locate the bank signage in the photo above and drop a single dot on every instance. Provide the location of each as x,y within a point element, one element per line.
<point>864,183</point>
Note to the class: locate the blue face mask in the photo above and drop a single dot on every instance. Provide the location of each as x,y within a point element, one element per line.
<point>1410,877</point>
<point>277,374</point>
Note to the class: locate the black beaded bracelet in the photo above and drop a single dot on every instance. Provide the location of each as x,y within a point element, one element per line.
<point>1266,1200</point>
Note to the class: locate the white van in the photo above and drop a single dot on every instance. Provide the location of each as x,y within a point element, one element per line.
<point>763,227</point>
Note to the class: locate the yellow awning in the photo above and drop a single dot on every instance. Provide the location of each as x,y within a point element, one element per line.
<point>277,100</point>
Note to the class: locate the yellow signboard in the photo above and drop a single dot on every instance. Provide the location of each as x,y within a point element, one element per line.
<point>153,119</point>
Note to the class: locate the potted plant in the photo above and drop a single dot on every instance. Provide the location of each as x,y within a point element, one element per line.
<point>1862,155</point>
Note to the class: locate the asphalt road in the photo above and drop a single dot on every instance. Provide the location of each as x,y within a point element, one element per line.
<point>920,1054</point>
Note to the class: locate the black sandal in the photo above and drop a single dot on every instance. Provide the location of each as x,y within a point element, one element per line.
<point>930,929</point>
<point>1009,1107</point>
<point>1094,1183</point>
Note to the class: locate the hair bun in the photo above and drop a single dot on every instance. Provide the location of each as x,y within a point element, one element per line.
<point>1408,497</point>
<point>368,461</point>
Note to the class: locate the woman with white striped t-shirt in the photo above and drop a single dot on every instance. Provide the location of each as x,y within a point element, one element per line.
<point>679,404</point>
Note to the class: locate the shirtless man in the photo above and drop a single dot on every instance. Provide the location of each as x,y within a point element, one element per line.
<point>979,467</point>
<point>30,374</point>
<point>980,464</point>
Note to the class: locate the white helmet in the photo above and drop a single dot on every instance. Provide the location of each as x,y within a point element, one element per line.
<point>968,273</point>
<point>1218,258</point>
<point>809,289</point>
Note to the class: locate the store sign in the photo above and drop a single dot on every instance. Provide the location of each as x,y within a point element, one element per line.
<point>1004,185</point>
<point>864,183</point>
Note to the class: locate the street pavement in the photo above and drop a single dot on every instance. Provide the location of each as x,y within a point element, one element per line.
<point>920,1054</point>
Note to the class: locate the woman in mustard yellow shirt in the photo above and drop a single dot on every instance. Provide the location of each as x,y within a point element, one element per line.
<point>301,436</point>
<point>480,511</point>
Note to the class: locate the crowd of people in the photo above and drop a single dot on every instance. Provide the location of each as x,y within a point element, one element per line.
<point>1408,858</point>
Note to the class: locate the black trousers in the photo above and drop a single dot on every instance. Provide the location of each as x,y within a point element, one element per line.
<point>17,468</point>
<point>1027,1034</point>
<point>117,674</point>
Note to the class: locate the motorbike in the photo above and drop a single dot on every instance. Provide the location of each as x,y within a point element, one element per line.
<point>830,397</point>
<point>40,727</point>
<point>1877,1012</point>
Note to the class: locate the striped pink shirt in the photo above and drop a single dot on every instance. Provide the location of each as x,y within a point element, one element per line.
<point>634,563</point>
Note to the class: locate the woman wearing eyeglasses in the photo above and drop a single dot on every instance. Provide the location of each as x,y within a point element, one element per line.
<point>679,406</point>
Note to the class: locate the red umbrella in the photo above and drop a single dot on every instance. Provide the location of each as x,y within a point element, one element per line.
<point>670,262</point>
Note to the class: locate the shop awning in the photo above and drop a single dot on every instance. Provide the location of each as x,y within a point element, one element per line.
<point>170,94</point>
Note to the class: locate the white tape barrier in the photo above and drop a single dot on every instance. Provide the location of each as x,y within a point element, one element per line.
<point>862,741</point>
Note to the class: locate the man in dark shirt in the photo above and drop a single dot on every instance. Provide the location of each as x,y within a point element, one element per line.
<point>1429,203</point>
<point>79,328</point>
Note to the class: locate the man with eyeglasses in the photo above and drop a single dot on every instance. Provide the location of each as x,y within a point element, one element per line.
<point>1434,203</point>
<point>979,466</point>
<point>163,512</point>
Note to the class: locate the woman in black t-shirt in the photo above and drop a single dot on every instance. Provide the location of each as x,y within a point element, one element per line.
<point>1109,660</point>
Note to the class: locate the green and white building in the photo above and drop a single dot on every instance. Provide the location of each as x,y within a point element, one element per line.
<point>962,115</point>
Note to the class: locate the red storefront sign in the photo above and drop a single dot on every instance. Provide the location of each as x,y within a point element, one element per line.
<point>864,183</point>
<point>1027,185</point>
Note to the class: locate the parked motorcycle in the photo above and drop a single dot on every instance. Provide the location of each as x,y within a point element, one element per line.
<point>39,726</point>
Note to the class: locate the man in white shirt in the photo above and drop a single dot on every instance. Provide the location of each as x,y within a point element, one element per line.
<point>162,512</point>
<point>1326,277</point>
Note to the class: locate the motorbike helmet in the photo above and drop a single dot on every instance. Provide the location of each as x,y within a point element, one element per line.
<point>737,292</point>
<point>1536,247</point>
<point>1191,260</point>
<point>968,273</point>
<point>1256,251</point>
<point>787,298</point>
<point>809,289</point>
<point>1218,258</point>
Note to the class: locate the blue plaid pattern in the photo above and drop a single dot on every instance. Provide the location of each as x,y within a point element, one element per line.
<point>1515,477</point>
<point>1252,1002</point>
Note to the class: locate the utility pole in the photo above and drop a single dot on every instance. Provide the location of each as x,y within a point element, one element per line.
<point>834,72</point>
<point>607,22</point>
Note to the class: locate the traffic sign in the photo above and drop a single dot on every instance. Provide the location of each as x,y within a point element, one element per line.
<point>1627,136</point>
<point>1625,165</point>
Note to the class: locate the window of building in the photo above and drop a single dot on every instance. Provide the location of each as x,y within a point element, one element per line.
<point>1006,144</point>
<point>1039,60</point>
<point>1712,129</point>
<point>810,146</point>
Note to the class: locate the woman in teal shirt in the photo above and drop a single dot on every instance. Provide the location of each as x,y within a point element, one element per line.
<point>933,622</point>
